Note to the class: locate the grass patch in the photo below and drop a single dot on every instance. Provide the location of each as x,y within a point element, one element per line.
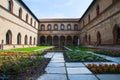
<point>107,52</point>
<point>83,56</point>
<point>30,49</point>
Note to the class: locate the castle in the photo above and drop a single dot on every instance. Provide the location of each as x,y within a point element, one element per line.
<point>99,25</point>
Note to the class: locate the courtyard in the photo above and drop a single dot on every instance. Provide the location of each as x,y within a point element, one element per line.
<point>68,63</point>
<point>60,40</point>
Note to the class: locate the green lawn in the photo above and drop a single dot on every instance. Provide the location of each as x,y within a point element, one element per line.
<point>78,48</point>
<point>29,49</point>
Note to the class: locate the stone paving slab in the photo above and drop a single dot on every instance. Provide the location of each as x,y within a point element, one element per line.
<point>49,54</point>
<point>57,60</point>
<point>73,64</point>
<point>109,76</point>
<point>79,70</point>
<point>56,70</point>
<point>53,77</point>
<point>82,77</point>
<point>54,64</point>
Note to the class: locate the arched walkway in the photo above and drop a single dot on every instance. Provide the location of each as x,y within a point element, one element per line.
<point>89,40</point>
<point>42,40</point>
<point>75,40</point>
<point>9,37</point>
<point>62,40</point>
<point>49,40</point>
<point>98,38</point>
<point>116,34</point>
<point>69,41</point>
<point>55,41</point>
<point>30,40</point>
<point>19,39</point>
<point>26,40</point>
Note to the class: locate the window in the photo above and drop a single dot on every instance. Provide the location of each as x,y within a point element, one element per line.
<point>62,27</point>
<point>31,21</point>
<point>75,27</point>
<point>9,37</point>
<point>89,18</point>
<point>27,18</point>
<point>10,5</point>
<point>55,27</point>
<point>49,27</point>
<point>69,27</point>
<point>42,27</point>
<point>20,13</point>
<point>97,10</point>
<point>26,39</point>
<point>19,39</point>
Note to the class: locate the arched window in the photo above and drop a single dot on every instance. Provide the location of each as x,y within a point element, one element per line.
<point>27,18</point>
<point>31,21</point>
<point>30,40</point>
<point>20,13</point>
<point>97,10</point>
<point>42,27</point>
<point>10,5</point>
<point>55,27</point>
<point>69,27</point>
<point>49,27</point>
<point>75,27</point>
<point>9,37</point>
<point>19,39</point>
<point>26,40</point>
<point>62,27</point>
<point>34,41</point>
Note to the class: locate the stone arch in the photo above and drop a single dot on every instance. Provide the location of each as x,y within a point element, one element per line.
<point>42,27</point>
<point>9,37</point>
<point>75,27</point>
<point>89,39</point>
<point>62,40</point>
<point>42,40</point>
<point>34,41</point>
<point>26,40</point>
<point>69,41</point>
<point>49,27</point>
<point>30,40</point>
<point>19,39</point>
<point>20,13</point>
<point>75,40</point>
<point>10,6</point>
<point>98,38</point>
<point>56,41</point>
<point>116,34</point>
<point>49,40</point>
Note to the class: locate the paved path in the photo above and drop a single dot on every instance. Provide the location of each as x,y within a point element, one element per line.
<point>58,69</point>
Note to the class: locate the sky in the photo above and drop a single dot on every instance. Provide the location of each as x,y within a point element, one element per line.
<point>58,8</point>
